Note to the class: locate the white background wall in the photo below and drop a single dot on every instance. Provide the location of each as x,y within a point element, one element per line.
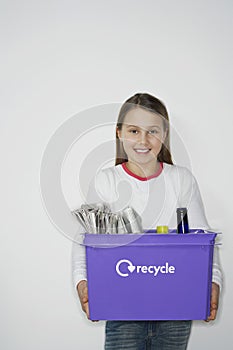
<point>61,57</point>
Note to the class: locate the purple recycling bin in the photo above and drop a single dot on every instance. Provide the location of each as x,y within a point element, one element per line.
<point>149,276</point>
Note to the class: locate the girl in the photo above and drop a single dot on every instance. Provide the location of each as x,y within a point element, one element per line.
<point>145,178</point>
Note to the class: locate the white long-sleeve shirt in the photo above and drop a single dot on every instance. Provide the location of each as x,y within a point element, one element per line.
<point>155,199</point>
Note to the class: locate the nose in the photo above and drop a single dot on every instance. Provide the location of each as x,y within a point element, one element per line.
<point>143,138</point>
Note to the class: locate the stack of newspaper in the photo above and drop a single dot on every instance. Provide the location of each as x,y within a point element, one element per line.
<point>98,218</point>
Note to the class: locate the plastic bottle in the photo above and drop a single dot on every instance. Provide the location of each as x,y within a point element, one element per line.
<point>182,220</point>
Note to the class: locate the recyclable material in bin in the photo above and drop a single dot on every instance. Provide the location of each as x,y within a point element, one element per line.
<point>149,276</point>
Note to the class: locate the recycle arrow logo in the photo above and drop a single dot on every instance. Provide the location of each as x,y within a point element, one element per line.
<point>131,267</point>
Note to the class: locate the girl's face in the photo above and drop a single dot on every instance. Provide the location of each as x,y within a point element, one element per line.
<point>142,135</point>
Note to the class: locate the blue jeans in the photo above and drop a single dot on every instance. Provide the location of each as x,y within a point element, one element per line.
<point>145,335</point>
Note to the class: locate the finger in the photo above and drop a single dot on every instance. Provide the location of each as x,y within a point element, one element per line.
<point>214,306</point>
<point>86,309</point>
<point>85,293</point>
<point>84,298</point>
<point>214,298</point>
<point>213,314</point>
<point>84,306</point>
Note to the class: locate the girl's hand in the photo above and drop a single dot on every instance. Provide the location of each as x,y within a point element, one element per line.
<point>83,296</point>
<point>213,302</point>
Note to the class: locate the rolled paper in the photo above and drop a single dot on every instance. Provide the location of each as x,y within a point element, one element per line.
<point>92,221</point>
<point>132,220</point>
<point>121,225</point>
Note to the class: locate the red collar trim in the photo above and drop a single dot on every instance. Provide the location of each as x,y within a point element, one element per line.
<point>142,178</point>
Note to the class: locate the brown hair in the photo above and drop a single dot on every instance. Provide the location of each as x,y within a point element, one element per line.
<point>154,105</point>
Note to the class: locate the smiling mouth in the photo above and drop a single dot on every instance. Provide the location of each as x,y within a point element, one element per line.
<point>142,151</point>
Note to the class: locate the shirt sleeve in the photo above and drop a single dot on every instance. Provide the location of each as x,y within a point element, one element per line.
<point>191,198</point>
<point>78,257</point>
<point>96,194</point>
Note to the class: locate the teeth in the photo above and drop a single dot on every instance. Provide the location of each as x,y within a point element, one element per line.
<point>142,150</point>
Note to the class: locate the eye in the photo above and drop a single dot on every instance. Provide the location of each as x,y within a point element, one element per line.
<point>133,131</point>
<point>153,132</point>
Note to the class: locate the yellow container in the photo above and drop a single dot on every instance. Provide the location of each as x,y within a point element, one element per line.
<point>162,229</point>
